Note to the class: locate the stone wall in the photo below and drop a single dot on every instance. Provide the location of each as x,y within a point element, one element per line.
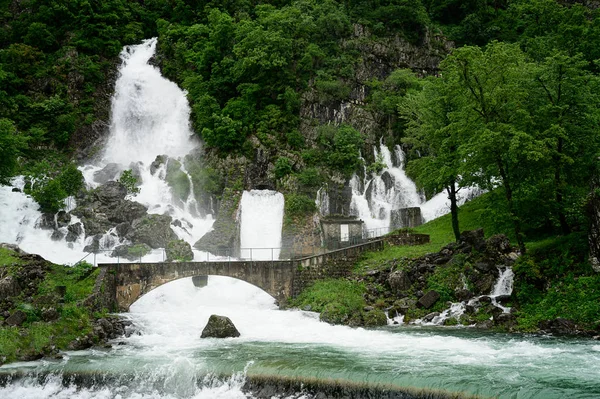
<point>335,264</point>
<point>406,217</point>
<point>407,239</point>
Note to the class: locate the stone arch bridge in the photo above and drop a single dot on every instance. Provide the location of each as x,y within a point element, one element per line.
<point>118,286</point>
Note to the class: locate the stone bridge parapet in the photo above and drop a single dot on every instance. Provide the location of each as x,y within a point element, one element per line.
<point>120,285</point>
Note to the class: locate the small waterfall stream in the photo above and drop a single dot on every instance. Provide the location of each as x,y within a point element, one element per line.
<point>502,288</point>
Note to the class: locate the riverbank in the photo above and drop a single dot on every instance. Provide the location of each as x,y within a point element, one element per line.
<point>43,308</point>
<point>553,288</point>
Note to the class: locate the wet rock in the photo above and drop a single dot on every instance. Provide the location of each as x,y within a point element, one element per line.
<point>81,343</point>
<point>485,267</point>
<point>374,318</point>
<point>504,319</point>
<point>15,190</point>
<point>219,327</point>
<point>429,317</point>
<point>474,238</point>
<point>482,283</point>
<point>498,245</point>
<point>503,298</point>
<point>559,326</point>
<point>57,235</point>
<point>463,294</point>
<point>63,219</point>
<point>160,159</point>
<point>17,318</point>
<point>428,300</point>
<point>46,222</point>
<point>124,229</point>
<point>109,172</point>
<point>399,281</point>
<point>154,231</point>
<point>111,192</point>
<point>126,211</point>
<point>74,231</point>
<point>94,246</point>
<point>486,324</point>
<point>131,252</point>
<point>179,250</point>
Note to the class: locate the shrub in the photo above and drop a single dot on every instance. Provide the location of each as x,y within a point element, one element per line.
<point>283,167</point>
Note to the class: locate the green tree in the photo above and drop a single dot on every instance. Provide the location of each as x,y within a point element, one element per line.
<point>496,142</point>
<point>433,134</point>
<point>11,146</point>
<point>564,103</point>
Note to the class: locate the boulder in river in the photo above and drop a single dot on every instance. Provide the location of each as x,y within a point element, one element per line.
<point>219,327</point>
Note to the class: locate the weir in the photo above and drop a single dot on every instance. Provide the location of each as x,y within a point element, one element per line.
<point>119,285</point>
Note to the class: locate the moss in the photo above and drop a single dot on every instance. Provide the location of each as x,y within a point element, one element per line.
<point>74,320</point>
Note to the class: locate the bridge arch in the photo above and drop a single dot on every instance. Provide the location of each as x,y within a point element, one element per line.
<point>127,282</point>
<point>211,283</point>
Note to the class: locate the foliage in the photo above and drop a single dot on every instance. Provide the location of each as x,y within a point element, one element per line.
<point>283,167</point>
<point>11,145</point>
<point>337,300</point>
<point>554,280</point>
<point>129,181</point>
<point>52,183</point>
<point>297,205</point>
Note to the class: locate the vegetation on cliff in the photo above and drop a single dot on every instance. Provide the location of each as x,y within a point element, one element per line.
<point>42,307</point>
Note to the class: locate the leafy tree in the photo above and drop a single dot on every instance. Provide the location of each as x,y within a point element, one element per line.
<point>11,145</point>
<point>433,134</point>
<point>497,146</point>
<point>347,143</point>
<point>564,103</point>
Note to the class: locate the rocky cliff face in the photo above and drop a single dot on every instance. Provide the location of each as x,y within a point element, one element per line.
<point>378,58</point>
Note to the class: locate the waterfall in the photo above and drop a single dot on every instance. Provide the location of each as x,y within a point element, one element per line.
<point>379,194</point>
<point>260,224</point>
<point>149,118</point>
<point>374,199</point>
<point>503,287</point>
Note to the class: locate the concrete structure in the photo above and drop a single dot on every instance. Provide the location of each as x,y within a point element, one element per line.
<point>119,285</point>
<point>341,231</point>
<point>406,218</point>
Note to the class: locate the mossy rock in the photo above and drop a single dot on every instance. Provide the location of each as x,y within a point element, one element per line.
<point>374,318</point>
<point>179,250</point>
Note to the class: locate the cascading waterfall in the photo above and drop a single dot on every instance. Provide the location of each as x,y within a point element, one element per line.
<point>502,288</point>
<point>150,117</point>
<point>261,220</point>
<point>375,197</point>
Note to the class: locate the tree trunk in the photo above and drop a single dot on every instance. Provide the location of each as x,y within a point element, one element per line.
<point>511,208</point>
<point>451,190</point>
<point>564,226</point>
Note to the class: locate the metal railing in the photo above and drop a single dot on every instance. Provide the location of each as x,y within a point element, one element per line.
<point>240,254</point>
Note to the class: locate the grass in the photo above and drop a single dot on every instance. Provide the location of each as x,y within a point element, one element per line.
<point>74,320</point>
<point>471,216</point>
